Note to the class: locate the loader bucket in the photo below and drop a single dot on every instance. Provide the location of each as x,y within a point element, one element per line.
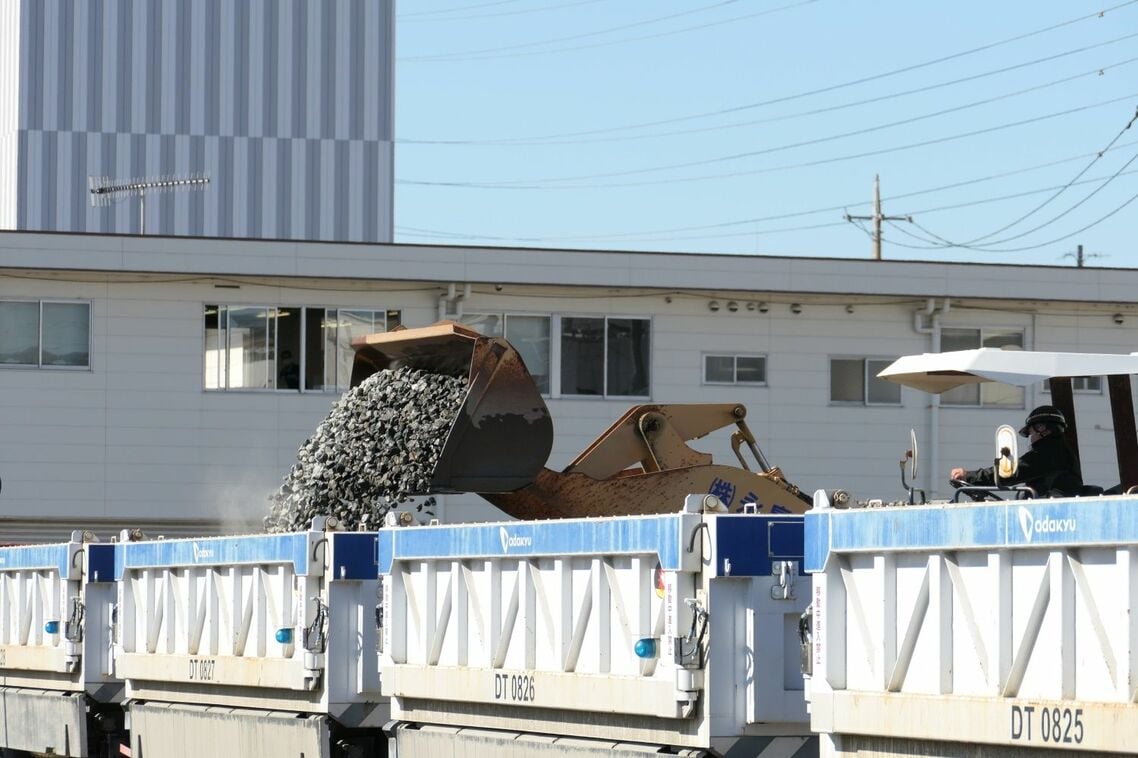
<point>502,433</point>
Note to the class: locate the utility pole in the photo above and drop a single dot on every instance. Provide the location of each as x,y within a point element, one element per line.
<point>1080,258</point>
<point>877,218</point>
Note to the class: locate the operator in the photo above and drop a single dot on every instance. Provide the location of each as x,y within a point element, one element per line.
<point>1049,467</point>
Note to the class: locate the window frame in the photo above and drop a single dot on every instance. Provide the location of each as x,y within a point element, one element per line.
<point>39,365</point>
<point>735,382</point>
<point>303,357</point>
<point>504,318</point>
<point>865,379</point>
<point>558,391</point>
<point>984,331</point>
<point>1045,387</point>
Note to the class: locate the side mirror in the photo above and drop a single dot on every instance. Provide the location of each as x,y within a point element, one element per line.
<point>912,455</point>
<point>1007,452</point>
<point>909,470</point>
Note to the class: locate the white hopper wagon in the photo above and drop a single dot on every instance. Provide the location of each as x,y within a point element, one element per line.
<point>617,636</point>
<point>57,694</point>
<point>252,645</point>
<point>1005,626</point>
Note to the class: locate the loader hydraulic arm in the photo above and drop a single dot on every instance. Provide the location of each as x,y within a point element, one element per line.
<point>656,437</point>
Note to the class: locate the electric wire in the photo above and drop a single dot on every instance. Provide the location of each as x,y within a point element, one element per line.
<point>944,243</point>
<point>625,40</point>
<point>1063,238</point>
<point>498,14</point>
<point>469,54</point>
<point>512,142</point>
<point>841,85</point>
<point>759,232</point>
<point>1098,156</point>
<point>795,214</point>
<point>769,169</point>
<point>825,139</point>
<point>1036,246</point>
<point>457,9</point>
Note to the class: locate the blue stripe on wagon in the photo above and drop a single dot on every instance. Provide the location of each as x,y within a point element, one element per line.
<point>635,535</point>
<point>36,557</point>
<point>980,526</point>
<point>213,551</point>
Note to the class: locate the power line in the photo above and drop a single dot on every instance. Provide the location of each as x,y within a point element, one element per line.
<point>1098,156</point>
<point>1077,232</point>
<point>840,85</point>
<point>465,54</point>
<point>457,8</point>
<point>671,236</point>
<point>512,142</point>
<point>820,140</point>
<point>800,214</point>
<point>768,169</point>
<point>498,14</point>
<point>991,246</point>
<point>625,40</point>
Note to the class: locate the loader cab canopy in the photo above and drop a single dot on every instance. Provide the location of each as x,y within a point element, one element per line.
<point>940,372</point>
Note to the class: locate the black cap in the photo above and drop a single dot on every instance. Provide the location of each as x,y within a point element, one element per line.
<point>1044,414</point>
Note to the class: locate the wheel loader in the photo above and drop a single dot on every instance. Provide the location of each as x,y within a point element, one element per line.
<point>501,437</point>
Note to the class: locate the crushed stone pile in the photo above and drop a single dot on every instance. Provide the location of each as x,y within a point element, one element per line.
<point>377,446</point>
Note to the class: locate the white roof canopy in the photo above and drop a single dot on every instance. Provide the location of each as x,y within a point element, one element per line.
<point>940,372</point>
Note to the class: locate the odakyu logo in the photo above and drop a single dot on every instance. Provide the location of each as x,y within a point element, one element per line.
<point>201,553</point>
<point>1030,526</point>
<point>512,540</point>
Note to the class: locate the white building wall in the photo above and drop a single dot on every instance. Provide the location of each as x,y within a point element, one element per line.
<point>136,441</point>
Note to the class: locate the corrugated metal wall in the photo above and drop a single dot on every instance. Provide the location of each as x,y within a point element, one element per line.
<point>9,110</point>
<point>285,104</point>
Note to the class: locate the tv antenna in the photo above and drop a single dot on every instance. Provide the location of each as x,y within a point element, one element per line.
<point>105,190</point>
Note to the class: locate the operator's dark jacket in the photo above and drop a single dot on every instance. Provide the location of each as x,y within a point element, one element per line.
<point>1048,468</point>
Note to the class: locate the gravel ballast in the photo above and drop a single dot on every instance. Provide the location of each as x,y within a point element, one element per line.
<point>376,449</point>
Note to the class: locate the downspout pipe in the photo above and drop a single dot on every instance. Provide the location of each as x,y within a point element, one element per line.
<point>931,312</point>
<point>451,301</point>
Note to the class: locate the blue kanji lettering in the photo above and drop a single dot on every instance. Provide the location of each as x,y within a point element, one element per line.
<point>723,490</point>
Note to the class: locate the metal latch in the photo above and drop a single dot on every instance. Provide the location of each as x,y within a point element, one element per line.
<point>805,639</point>
<point>784,573</point>
<point>73,629</point>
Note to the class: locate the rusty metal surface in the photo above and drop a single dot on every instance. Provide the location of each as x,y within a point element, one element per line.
<point>574,495</point>
<point>502,434</point>
<point>442,348</point>
<point>628,441</point>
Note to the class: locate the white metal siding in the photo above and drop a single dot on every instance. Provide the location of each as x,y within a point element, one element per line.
<point>9,110</point>
<point>260,96</point>
<point>136,439</point>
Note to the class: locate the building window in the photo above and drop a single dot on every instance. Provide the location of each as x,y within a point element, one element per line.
<point>986,394</point>
<point>734,369</point>
<point>285,348</point>
<point>528,334</point>
<point>1089,385</point>
<point>45,334</point>
<point>605,356</point>
<point>854,381</point>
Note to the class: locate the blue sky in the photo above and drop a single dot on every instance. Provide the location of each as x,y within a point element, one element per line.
<point>752,126</point>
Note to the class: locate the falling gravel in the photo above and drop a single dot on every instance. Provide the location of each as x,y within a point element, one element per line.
<point>376,448</point>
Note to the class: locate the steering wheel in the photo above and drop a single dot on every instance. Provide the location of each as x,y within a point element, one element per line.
<point>978,496</point>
